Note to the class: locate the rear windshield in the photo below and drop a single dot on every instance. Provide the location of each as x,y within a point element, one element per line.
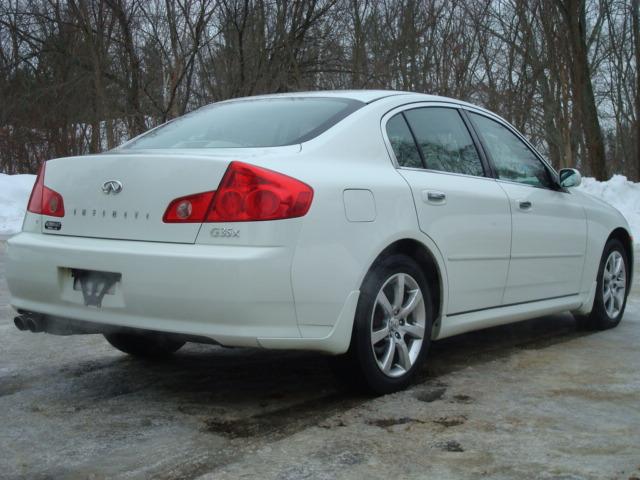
<point>269,122</point>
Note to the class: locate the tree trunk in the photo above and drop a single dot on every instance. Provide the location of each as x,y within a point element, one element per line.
<point>582,91</point>
<point>132,65</point>
<point>635,15</point>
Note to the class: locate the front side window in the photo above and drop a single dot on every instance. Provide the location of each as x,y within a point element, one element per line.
<point>513,160</point>
<point>402,143</point>
<point>444,140</point>
<point>269,122</point>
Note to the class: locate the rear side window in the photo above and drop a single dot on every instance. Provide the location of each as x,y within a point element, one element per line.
<point>269,122</point>
<point>402,143</point>
<point>444,140</point>
<point>513,160</point>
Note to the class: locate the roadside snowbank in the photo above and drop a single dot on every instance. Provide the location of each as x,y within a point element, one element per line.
<point>618,191</point>
<point>622,194</point>
<point>14,195</point>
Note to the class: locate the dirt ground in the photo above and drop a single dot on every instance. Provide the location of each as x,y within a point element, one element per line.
<point>537,399</point>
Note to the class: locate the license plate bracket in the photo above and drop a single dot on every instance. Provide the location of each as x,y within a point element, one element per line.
<point>94,285</point>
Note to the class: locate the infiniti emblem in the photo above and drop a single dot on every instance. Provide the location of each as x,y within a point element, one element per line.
<point>111,186</point>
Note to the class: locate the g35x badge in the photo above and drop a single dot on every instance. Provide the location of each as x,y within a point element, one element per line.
<point>225,233</point>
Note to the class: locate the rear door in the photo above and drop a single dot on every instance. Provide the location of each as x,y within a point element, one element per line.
<point>461,209</point>
<point>549,224</point>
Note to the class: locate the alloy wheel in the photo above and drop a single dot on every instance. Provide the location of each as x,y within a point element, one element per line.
<point>398,324</point>
<point>614,284</point>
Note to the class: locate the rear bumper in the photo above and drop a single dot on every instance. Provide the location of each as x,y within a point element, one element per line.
<point>234,295</point>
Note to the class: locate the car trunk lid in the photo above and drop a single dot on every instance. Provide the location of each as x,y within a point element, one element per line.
<point>149,181</point>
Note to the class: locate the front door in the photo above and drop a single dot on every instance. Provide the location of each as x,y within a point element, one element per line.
<point>549,225</point>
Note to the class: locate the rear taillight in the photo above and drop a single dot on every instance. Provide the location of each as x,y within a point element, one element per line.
<point>249,193</point>
<point>43,200</point>
<point>246,194</point>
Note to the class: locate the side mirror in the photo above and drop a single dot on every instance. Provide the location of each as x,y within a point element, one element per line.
<point>569,177</point>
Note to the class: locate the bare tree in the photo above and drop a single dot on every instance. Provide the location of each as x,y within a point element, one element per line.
<point>574,14</point>
<point>81,76</point>
<point>635,15</point>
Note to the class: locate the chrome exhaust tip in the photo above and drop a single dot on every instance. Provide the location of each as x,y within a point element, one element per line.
<point>35,324</point>
<point>32,322</point>
<point>20,323</point>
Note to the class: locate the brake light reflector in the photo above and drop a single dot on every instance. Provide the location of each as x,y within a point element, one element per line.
<point>43,200</point>
<point>189,209</point>
<point>248,193</point>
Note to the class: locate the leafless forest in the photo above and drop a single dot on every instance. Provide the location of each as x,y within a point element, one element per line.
<point>82,76</point>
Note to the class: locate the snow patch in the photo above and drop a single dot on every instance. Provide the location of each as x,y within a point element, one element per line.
<point>621,194</point>
<point>14,195</point>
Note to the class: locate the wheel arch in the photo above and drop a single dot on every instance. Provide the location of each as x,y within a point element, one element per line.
<point>427,262</point>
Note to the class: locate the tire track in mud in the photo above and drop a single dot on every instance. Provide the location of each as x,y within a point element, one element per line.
<point>251,433</point>
<point>247,434</point>
<point>284,422</point>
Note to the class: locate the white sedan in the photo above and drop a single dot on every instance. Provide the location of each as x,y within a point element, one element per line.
<point>363,224</point>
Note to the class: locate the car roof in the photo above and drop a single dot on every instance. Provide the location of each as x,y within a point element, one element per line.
<point>366,96</point>
<point>369,96</point>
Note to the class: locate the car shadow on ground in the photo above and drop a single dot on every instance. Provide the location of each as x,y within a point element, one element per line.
<point>239,392</point>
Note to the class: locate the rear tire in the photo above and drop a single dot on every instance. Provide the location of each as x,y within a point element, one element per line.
<point>392,327</point>
<point>144,345</point>
<point>611,291</point>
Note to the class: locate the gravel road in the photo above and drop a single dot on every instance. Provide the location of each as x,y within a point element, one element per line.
<point>537,399</point>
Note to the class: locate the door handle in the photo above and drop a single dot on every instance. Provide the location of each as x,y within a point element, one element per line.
<point>434,197</point>
<point>525,205</point>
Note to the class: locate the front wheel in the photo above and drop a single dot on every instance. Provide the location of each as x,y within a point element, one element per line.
<point>392,327</point>
<point>611,291</point>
